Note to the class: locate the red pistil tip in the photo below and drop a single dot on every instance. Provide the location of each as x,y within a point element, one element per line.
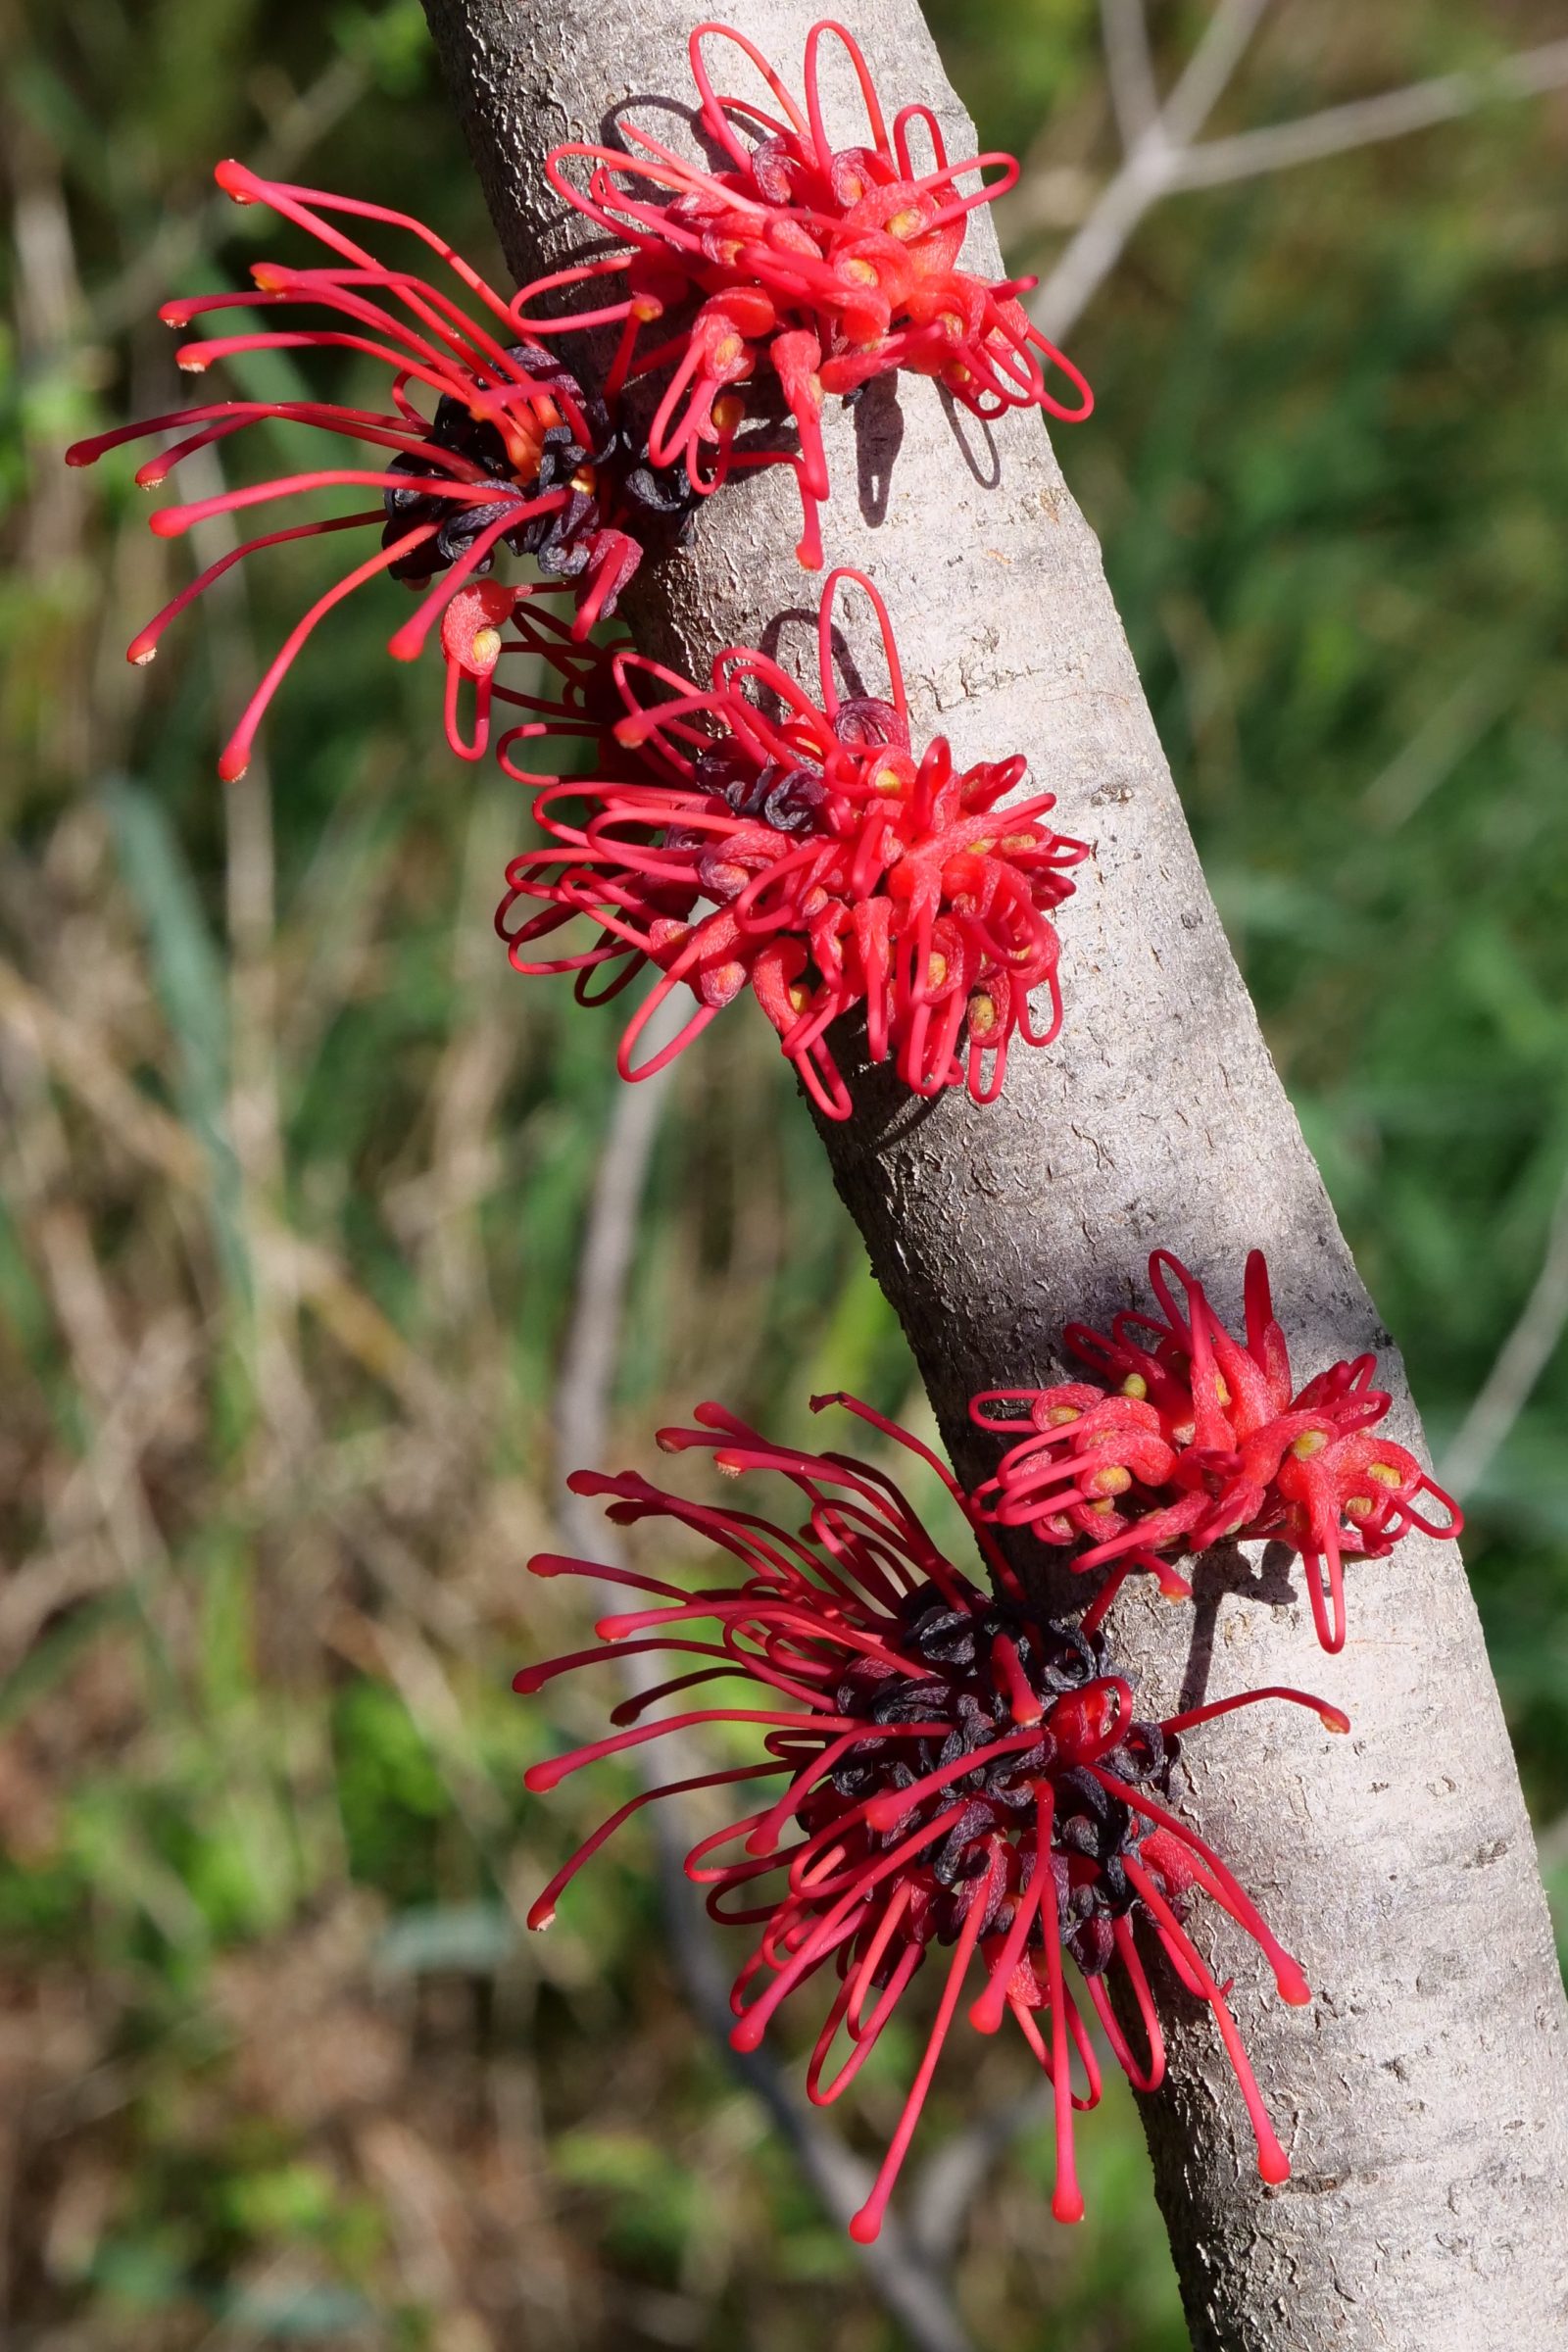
<point>541,1916</point>
<point>142,649</point>
<point>1025,1704</point>
<point>1291,1980</point>
<point>1067,2203</point>
<point>236,180</point>
<point>541,1778</point>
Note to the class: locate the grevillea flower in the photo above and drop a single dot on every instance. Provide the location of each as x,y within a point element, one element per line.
<point>1188,1436</point>
<point>799,264</point>
<point>960,1777</point>
<point>489,443</point>
<point>742,834</point>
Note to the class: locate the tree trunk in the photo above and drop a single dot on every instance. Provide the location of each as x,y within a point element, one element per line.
<point>1422,2098</point>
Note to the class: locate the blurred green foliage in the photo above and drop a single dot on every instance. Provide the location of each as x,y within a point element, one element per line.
<point>293,1174</point>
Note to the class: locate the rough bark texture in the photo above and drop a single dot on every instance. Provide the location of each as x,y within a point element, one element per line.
<point>1422,2097</point>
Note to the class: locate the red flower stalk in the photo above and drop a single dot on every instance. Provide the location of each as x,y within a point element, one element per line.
<point>1192,1437</point>
<point>958,1772</point>
<point>806,850</point>
<point>513,455</point>
<point>818,268</point>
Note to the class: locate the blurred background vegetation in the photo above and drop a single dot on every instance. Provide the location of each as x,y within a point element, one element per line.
<point>294,1172</point>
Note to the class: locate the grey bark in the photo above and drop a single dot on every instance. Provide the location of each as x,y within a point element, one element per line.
<point>1422,2097</point>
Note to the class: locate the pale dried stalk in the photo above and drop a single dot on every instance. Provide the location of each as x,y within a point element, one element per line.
<point>1521,1360</point>
<point>1423,2097</point>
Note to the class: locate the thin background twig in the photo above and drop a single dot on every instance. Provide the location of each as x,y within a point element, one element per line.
<point>1521,1360</point>
<point>1163,155</point>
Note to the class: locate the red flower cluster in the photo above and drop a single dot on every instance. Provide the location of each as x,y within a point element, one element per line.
<point>820,267</point>
<point>1194,1437</point>
<point>514,453</point>
<point>802,850</point>
<point>959,1773</point>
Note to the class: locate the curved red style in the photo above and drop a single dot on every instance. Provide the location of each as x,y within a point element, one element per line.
<point>741,834</point>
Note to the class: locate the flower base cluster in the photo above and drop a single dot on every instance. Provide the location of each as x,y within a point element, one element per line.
<point>963,1782</point>
<point>794,271</point>
<point>1187,1437</point>
<point>489,444</point>
<point>741,835</point>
